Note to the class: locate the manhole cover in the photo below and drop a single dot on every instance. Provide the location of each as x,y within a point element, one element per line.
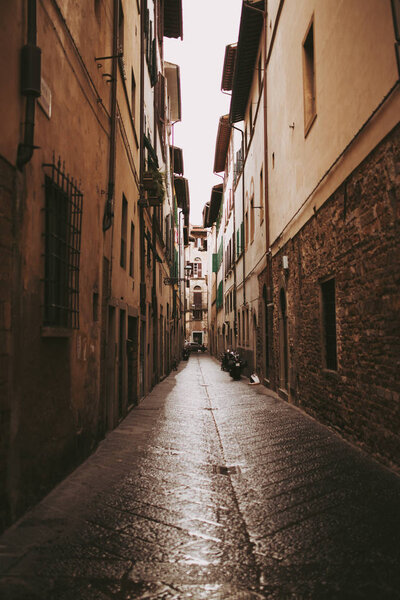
<point>223,470</point>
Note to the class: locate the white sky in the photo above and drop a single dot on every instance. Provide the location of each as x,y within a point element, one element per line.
<point>208,27</point>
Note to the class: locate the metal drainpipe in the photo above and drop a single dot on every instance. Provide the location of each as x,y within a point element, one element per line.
<point>108,217</point>
<point>141,156</point>
<point>266,204</point>
<point>30,86</point>
<point>235,331</point>
<point>244,261</point>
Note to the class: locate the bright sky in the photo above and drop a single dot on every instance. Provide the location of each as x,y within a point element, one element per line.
<point>208,27</point>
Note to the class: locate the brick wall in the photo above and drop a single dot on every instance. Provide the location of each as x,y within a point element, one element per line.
<point>7,184</point>
<point>354,238</point>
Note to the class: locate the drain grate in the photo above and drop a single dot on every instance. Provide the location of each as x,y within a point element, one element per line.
<point>223,470</point>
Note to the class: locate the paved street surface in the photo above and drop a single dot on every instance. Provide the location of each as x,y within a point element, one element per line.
<point>212,489</point>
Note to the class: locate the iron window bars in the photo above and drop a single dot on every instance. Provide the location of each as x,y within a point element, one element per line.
<point>63,219</point>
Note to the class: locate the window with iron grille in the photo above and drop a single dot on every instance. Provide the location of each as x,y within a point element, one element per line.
<point>197,315</point>
<point>63,219</point>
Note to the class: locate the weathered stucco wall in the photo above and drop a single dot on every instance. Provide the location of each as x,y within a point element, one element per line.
<point>351,80</point>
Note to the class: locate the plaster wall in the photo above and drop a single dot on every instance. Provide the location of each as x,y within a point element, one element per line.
<point>351,80</point>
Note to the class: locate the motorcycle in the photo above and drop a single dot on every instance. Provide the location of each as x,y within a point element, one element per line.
<point>231,362</point>
<point>236,365</point>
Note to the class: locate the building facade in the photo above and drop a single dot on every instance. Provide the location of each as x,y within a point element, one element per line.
<point>196,267</point>
<point>90,226</point>
<point>318,312</point>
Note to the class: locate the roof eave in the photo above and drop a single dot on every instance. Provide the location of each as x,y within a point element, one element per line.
<point>222,144</point>
<point>251,26</point>
<point>173,25</point>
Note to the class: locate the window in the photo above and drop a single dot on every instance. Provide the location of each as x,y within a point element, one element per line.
<point>252,219</point>
<point>121,28</point>
<point>261,195</point>
<point>133,95</point>
<point>329,324</point>
<point>124,225</point>
<point>131,251</point>
<point>197,299</point>
<point>97,10</point>
<point>63,218</point>
<point>246,238</point>
<point>197,269</point>
<point>197,315</point>
<point>309,79</point>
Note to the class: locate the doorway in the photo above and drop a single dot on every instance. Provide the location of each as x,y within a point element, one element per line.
<point>132,360</point>
<point>283,342</point>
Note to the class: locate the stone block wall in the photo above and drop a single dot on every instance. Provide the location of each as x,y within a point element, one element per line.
<point>354,237</point>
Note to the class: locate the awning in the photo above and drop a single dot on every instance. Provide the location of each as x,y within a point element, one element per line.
<point>211,209</point>
<point>182,193</point>
<point>229,68</point>
<point>222,144</point>
<point>251,25</point>
<point>173,19</point>
<point>172,74</point>
<point>176,156</point>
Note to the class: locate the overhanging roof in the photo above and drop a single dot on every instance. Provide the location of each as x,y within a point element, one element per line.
<point>182,193</point>
<point>206,215</point>
<point>173,76</point>
<point>229,67</point>
<point>185,235</point>
<point>222,144</point>
<point>176,156</point>
<point>211,209</point>
<point>173,19</point>
<point>251,24</point>
<point>215,201</point>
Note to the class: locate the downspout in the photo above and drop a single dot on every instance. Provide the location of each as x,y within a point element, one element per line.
<point>243,206</point>
<point>30,86</point>
<point>108,217</point>
<point>141,161</point>
<point>270,305</point>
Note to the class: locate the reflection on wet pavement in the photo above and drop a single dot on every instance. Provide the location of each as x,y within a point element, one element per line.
<point>211,490</point>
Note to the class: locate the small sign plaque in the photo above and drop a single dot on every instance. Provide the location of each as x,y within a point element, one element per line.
<point>44,100</point>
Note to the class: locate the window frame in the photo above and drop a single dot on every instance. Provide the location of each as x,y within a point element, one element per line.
<point>309,77</point>
<point>328,329</point>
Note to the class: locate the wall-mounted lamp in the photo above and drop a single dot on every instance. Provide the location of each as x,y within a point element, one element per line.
<point>285,263</point>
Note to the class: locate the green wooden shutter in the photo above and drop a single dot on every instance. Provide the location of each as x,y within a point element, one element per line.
<point>215,263</point>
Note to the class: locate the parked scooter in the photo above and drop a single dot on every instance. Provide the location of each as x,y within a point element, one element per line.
<point>185,353</point>
<point>231,362</point>
<point>236,365</point>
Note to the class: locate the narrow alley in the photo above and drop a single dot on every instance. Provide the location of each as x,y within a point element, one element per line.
<point>211,489</point>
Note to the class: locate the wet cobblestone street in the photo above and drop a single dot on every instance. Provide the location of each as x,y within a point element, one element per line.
<point>211,489</point>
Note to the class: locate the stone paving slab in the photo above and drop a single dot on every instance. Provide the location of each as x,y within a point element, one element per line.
<point>212,489</point>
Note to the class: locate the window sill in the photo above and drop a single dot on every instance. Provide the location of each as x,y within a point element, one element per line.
<point>330,373</point>
<point>310,123</point>
<point>55,332</point>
